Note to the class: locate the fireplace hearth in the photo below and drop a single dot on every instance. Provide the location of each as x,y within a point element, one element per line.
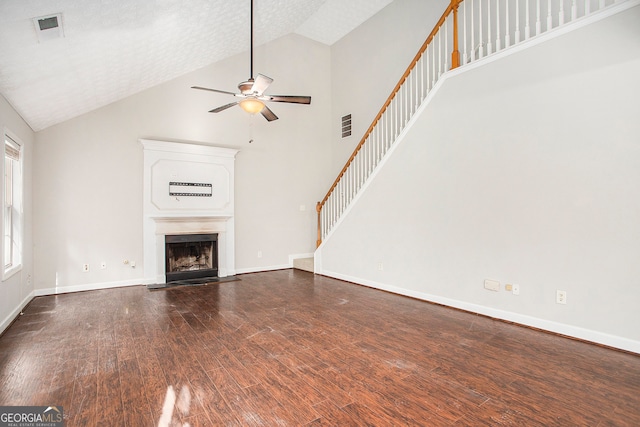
<point>191,256</point>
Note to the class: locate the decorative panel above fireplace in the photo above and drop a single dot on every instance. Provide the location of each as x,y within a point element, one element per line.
<point>171,177</point>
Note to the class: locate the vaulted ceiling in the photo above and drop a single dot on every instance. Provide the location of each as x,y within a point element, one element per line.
<point>111,49</point>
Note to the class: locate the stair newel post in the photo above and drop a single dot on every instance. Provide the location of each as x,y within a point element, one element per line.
<point>455,55</point>
<point>319,239</point>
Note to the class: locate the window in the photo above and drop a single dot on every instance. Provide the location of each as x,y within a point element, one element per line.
<point>12,204</point>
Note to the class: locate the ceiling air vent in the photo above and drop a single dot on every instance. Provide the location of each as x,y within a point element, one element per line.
<point>346,125</point>
<point>48,27</point>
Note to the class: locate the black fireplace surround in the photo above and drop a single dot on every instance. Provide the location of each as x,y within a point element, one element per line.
<point>191,256</point>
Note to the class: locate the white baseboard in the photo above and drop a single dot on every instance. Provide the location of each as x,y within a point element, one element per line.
<point>15,313</point>
<point>91,287</point>
<point>143,281</point>
<point>274,267</point>
<point>264,268</point>
<point>521,319</point>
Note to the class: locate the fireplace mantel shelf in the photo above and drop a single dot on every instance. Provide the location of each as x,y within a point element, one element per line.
<point>190,224</point>
<point>190,218</point>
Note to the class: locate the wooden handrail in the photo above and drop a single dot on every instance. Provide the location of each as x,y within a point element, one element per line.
<point>453,7</point>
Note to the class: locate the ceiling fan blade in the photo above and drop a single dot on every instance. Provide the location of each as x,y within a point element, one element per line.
<point>224,107</point>
<point>261,84</point>
<point>213,90</point>
<point>289,98</point>
<point>268,114</point>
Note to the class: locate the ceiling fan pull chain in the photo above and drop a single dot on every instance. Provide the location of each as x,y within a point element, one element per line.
<point>251,116</point>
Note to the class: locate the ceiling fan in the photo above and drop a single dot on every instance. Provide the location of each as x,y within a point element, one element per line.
<point>252,92</point>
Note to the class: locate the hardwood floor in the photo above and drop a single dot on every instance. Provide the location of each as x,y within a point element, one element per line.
<point>287,348</point>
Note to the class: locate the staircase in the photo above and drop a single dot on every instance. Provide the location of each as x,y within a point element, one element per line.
<point>468,32</point>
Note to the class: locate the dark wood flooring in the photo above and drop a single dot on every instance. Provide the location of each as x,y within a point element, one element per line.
<point>287,348</point>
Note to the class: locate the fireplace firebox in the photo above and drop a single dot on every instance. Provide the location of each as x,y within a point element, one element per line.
<point>191,256</point>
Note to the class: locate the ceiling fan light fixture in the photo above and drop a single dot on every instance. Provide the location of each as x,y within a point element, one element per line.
<point>252,91</point>
<point>252,105</point>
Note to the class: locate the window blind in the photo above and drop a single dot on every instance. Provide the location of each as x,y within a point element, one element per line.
<point>11,148</point>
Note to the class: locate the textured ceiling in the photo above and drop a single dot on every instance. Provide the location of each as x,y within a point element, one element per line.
<point>114,48</point>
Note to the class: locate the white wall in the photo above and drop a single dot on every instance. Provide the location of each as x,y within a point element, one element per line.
<point>88,179</point>
<point>367,63</point>
<point>525,170</point>
<point>17,290</point>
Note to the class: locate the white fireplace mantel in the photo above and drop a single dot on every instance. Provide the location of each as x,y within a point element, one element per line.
<point>209,211</point>
<point>191,224</point>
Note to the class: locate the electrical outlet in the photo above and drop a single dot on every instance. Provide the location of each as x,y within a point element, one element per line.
<point>561,297</point>
<point>508,287</point>
<point>259,254</point>
<point>380,266</point>
<point>85,268</point>
<point>516,289</point>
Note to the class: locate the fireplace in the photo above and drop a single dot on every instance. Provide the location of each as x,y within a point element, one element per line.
<point>168,214</point>
<point>191,256</point>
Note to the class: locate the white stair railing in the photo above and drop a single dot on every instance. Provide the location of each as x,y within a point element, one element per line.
<point>468,31</point>
<point>489,26</point>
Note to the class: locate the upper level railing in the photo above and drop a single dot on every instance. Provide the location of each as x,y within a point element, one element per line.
<point>467,31</point>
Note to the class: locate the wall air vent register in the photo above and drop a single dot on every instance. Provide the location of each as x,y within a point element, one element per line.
<point>346,125</point>
<point>49,27</point>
